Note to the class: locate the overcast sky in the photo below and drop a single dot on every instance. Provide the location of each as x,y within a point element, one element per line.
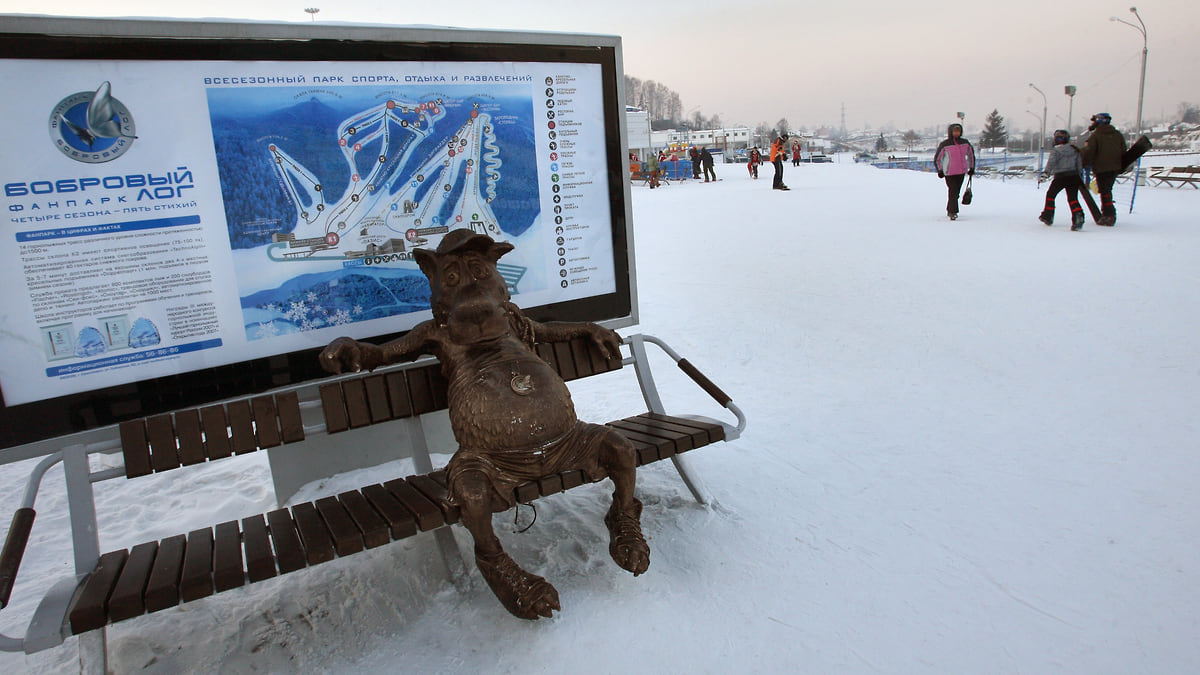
<point>908,64</point>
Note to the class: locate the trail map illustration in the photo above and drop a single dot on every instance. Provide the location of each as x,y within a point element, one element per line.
<point>327,191</point>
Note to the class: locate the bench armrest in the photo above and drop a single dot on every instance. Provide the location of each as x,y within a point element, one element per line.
<point>650,392</point>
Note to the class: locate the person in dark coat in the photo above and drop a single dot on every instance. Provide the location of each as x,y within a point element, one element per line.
<point>706,159</point>
<point>955,160</point>
<point>1103,152</point>
<point>694,155</point>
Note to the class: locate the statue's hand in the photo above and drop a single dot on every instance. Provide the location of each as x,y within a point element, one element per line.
<point>606,340</point>
<point>347,355</point>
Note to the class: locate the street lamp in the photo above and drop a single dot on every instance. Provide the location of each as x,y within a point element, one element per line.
<point>1145,51</point>
<point>1070,91</point>
<point>1042,140</point>
<point>1042,124</point>
<point>312,11</point>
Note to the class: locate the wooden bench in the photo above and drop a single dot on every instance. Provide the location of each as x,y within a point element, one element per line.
<point>1179,176</point>
<point>160,574</point>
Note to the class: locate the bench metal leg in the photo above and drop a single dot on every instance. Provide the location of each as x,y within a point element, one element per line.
<point>692,482</point>
<point>456,570</point>
<point>93,652</point>
<point>93,645</point>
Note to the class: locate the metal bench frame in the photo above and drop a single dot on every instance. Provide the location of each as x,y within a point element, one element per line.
<point>60,611</point>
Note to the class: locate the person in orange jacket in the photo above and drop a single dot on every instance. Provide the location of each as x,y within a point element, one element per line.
<point>778,154</point>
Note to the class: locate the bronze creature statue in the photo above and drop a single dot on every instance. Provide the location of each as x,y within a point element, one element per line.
<point>511,413</point>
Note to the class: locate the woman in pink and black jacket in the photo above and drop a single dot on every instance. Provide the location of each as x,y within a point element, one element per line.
<point>955,160</point>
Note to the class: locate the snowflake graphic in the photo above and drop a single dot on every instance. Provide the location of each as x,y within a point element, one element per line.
<point>267,330</point>
<point>339,318</point>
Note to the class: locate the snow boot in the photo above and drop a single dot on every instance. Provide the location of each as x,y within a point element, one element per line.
<point>1077,221</point>
<point>1047,217</point>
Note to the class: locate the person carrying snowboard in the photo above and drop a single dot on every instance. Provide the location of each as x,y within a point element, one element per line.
<point>955,160</point>
<point>1065,167</point>
<point>1104,152</point>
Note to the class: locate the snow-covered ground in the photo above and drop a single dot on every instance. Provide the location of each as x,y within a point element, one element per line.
<point>973,448</point>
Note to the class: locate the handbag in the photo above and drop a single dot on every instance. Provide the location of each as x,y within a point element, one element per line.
<point>967,196</point>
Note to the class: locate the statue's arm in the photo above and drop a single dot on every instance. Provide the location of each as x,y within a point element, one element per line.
<point>605,339</point>
<point>348,355</point>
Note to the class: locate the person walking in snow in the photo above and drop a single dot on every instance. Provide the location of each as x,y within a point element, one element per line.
<point>955,160</point>
<point>1065,168</point>
<point>1103,152</point>
<point>694,155</point>
<point>706,159</point>
<point>755,160</point>
<point>652,170</point>
<point>778,153</point>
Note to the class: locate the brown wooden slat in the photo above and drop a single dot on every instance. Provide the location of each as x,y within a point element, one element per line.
<point>196,580</point>
<point>88,612</point>
<point>684,438</point>
<point>400,520</point>
<point>377,399</point>
<point>572,479</point>
<point>164,455</point>
<point>372,526</point>
<point>227,556</point>
<point>216,432</point>
<point>135,449</point>
<point>266,422</point>
<point>566,365</point>
<point>526,492</point>
<point>545,351</point>
<point>260,560</point>
<point>318,545</point>
<point>580,354</point>
<point>291,424</point>
<point>548,485</point>
<point>162,590</point>
<point>289,553</point>
<point>427,513</point>
<point>397,386</point>
<point>127,599</point>
<point>191,439</point>
<point>715,432</point>
<point>438,494</point>
<point>420,389</point>
<point>699,434</point>
<point>666,446</point>
<point>346,537</point>
<point>333,405</point>
<point>440,387</point>
<point>241,427</point>
<point>601,362</point>
<point>356,403</point>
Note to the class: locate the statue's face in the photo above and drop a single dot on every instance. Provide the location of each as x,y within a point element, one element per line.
<point>468,294</point>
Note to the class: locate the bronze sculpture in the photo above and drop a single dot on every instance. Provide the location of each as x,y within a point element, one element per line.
<point>511,413</point>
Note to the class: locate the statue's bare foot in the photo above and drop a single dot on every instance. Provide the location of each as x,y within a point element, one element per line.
<point>526,595</point>
<point>627,546</point>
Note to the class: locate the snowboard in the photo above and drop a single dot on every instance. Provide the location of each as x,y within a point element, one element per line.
<point>1085,193</point>
<point>1135,151</point>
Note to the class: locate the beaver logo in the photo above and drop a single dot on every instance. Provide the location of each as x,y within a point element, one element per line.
<point>92,127</point>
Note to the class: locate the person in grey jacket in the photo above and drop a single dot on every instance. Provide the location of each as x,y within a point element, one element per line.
<point>1065,168</point>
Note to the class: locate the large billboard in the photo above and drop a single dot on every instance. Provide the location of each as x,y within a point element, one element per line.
<point>191,210</point>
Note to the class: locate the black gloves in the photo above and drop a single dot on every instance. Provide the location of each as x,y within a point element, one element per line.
<point>941,175</point>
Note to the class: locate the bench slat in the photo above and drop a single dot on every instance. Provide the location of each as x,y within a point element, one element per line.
<point>685,438</point>
<point>545,350</point>
<point>372,526</point>
<point>318,545</point>
<point>400,520</point>
<point>333,407</point>
<point>162,591</point>
<point>438,494</point>
<point>288,551</point>
<point>572,479</point>
<point>549,485</point>
<point>714,432</point>
<point>566,365</point>
<point>191,439</point>
<point>241,427</point>
<point>346,537</point>
<point>266,422</point>
<point>658,437</point>
<point>127,600</point>
<point>164,456</point>
<point>196,580</point>
<point>216,432</point>
<point>581,356</point>
<point>420,388</point>
<point>291,424</point>
<point>427,513</point>
<point>88,612</point>
<point>377,399</point>
<point>356,403</point>
<point>227,557</point>
<point>135,449</point>
<point>649,448</point>
<point>397,386</point>
<point>260,561</point>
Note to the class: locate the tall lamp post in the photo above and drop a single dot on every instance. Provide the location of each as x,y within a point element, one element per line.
<point>312,11</point>
<point>1070,92</point>
<point>1042,123</point>
<point>1141,28</point>
<point>1042,140</point>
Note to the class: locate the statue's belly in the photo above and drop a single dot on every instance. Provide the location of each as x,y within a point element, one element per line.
<point>515,402</point>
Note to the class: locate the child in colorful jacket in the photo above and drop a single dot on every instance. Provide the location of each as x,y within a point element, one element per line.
<point>955,160</point>
<point>1065,166</point>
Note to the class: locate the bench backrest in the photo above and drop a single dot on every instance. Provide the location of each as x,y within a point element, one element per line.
<point>193,436</point>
